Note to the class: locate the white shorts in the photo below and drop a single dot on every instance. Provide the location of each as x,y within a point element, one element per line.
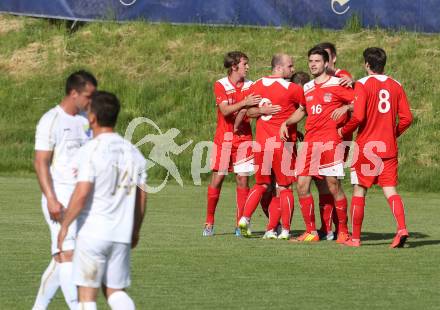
<point>332,170</point>
<point>244,168</point>
<point>63,195</point>
<point>98,262</point>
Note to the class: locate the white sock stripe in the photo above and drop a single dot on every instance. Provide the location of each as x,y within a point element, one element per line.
<point>249,196</point>
<point>352,217</point>
<point>330,220</point>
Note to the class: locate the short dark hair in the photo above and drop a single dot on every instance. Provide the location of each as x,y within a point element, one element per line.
<point>329,46</point>
<point>78,81</point>
<point>300,78</point>
<point>106,107</point>
<point>318,51</point>
<point>376,58</point>
<point>277,59</point>
<point>233,59</point>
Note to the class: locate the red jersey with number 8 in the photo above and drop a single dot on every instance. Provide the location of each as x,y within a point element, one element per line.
<point>379,101</point>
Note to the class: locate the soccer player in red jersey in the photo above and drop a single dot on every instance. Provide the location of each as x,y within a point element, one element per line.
<point>326,202</point>
<point>381,114</point>
<point>275,156</point>
<point>322,153</point>
<point>231,95</point>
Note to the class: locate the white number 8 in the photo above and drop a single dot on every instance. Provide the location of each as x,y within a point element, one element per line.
<point>384,101</point>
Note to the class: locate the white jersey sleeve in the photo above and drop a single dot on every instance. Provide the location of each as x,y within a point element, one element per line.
<point>45,134</point>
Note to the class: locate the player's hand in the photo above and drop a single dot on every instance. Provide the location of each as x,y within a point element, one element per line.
<point>339,112</point>
<point>284,132</point>
<point>61,236</point>
<point>55,210</point>
<point>252,100</point>
<point>299,136</point>
<point>340,132</point>
<point>270,110</point>
<point>345,81</point>
<point>134,239</point>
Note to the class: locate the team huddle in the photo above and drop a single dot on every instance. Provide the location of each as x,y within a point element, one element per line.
<point>334,106</point>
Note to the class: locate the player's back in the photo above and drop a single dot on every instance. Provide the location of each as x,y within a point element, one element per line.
<point>385,101</point>
<point>276,91</point>
<point>115,167</point>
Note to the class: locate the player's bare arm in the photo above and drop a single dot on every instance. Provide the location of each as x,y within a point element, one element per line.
<point>249,101</point>
<point>139,213</point>
<point>341,111</point>
<point>42,163</point>
<point>76,204</point>
<point>295,118</point>
<point>255,112</point>
<point>346,81</point>
<point>238,119</point>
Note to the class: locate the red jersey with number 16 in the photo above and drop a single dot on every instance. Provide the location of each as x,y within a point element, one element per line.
<point>321,100</point>
<point>276,91</point>
<point>379,101</point>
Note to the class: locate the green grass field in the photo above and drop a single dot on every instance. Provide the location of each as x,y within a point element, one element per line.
<point>166,72</point>
<point>175,268</point>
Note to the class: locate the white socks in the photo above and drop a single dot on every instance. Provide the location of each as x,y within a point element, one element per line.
<point>120,301</point>
<point>67,286</point>
<point>89,305</point>
<point>50,281</point>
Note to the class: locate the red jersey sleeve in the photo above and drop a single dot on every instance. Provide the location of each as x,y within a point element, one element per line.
<point>297,96</point>
<point>340,73</point>
<point>346,94</point>
<point>404,113</point>
<point>360,106</point>
<point>220,93</point>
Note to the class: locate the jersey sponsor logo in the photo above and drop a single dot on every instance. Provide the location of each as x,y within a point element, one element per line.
<point>309,98</point>
<point>328,97</point>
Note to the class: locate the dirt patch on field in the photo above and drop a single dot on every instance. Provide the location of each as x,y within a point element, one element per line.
<point>10,24</point>
<point>35,56</point>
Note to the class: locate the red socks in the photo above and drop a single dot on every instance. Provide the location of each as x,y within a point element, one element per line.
<point>396,205</point>
<point>357,216</point>
<point>253,200</point>
<point>287,205</point>
<point>326,206</point>
<point>242,194</point>
<point>308,212</point>
<point>265,202</point>
<point>274,213</point>
<point>213,196</point>
<point>341,210</point>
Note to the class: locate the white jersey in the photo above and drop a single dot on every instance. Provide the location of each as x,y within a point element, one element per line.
<point>63,134</point>
<point>116,168</point>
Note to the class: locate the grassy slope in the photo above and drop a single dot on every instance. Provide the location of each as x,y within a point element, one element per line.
<point>166,73</point>
<point>175,268</point>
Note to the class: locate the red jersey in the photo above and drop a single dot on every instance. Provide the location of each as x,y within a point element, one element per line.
<point>321,100</point>
<point>379,101</point>
<point>276,91</point>
<point>341,72</point>
<point>226,91</point>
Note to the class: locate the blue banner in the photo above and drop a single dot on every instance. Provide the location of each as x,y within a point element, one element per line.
<point>419,15</point>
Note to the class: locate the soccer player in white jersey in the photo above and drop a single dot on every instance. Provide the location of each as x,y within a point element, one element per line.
<point>109,203</point>
<point>60,133</point>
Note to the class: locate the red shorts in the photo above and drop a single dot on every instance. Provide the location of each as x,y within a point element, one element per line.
<point>280,163</point>
<point>321,159</point>
<point>381,171</point>
<point>226,156</point>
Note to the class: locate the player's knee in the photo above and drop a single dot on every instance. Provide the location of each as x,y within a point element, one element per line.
<point>303,189</point>
<point>242,181</point>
